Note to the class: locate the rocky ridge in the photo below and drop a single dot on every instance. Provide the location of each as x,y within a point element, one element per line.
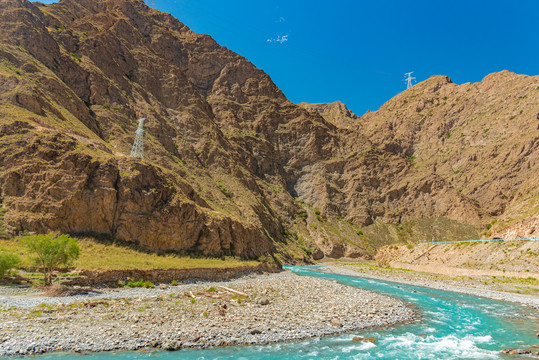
<point>483,138</point>
<point>231,167</point>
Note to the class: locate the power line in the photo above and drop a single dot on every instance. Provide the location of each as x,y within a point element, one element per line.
<point>408,78</point>
<point>138,147</point>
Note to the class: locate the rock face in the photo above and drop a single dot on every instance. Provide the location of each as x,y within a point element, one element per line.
<point>232,166</point>
<point>336,113</point>
<point>515,259</point>
<point>482,138</point>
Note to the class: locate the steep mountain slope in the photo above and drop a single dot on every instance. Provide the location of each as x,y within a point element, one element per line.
<point>231,167</point>
<point>336,113</point>
<point>483,138</point>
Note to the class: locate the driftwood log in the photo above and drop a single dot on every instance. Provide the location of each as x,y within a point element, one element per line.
<point>234,291</point>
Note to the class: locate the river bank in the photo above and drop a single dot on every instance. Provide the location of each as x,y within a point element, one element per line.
<point>453,284</point>
<point>277,307</point>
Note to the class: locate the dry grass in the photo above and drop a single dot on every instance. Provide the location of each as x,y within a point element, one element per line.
<point>99,256</point>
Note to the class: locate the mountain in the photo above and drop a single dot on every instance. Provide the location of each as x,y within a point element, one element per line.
<point>231,166</point>
<point>482,138</point>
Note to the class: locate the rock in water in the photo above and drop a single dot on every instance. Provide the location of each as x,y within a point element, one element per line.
<point>369,339</point>
<point>357,339</point>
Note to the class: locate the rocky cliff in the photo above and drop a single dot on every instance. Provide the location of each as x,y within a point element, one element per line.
<point>231,166</point>
<point>482,138</point>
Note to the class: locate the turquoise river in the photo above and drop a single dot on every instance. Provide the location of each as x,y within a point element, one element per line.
<point>453,326</point>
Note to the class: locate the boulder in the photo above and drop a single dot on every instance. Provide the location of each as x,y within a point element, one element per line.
<point>171,345</point>
<point>367,339</point>
<point>515,351</point>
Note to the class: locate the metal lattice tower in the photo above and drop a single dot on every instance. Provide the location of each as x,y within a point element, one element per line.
<point>151,3</point>
<point>138,148</point>
<point>408,78</point>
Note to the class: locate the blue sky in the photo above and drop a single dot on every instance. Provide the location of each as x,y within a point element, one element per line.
<point>358,51</point>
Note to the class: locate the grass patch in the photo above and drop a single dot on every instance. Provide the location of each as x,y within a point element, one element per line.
<point>75,56</point>
<point>514,280</point>
<point>99,256</point>
<point>140,284</point>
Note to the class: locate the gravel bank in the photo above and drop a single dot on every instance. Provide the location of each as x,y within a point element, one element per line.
<point>279,307</point>
<point>440,284</point>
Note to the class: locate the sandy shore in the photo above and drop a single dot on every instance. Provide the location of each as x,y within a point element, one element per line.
<point>423,279</point>
<point>278,307</point>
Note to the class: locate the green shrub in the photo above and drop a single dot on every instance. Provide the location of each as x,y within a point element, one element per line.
<point>140,284</point>
<point>302,215</point>
<point>306,250</point>
<point>75,56</point>
<point>318,215</point>
<point>7,262</point>
<point>52,251</point>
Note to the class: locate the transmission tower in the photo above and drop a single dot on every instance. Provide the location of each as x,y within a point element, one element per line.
<point>408,78</point>
<point>138,148</point>
<point>151,3</point>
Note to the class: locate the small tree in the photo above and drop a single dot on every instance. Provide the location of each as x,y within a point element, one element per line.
<point>52,251</point>
<point>7,262</point>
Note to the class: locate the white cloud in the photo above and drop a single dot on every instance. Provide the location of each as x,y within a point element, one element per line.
<point>279,39</point>
<point>281,19</point>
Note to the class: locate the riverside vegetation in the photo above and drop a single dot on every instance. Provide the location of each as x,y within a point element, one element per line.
<point>53,253</point>
<point>108,255</point>
<point>8,261</point>
<point>46,251</point>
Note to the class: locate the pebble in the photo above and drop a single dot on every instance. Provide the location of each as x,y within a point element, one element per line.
<point>297,307</point>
